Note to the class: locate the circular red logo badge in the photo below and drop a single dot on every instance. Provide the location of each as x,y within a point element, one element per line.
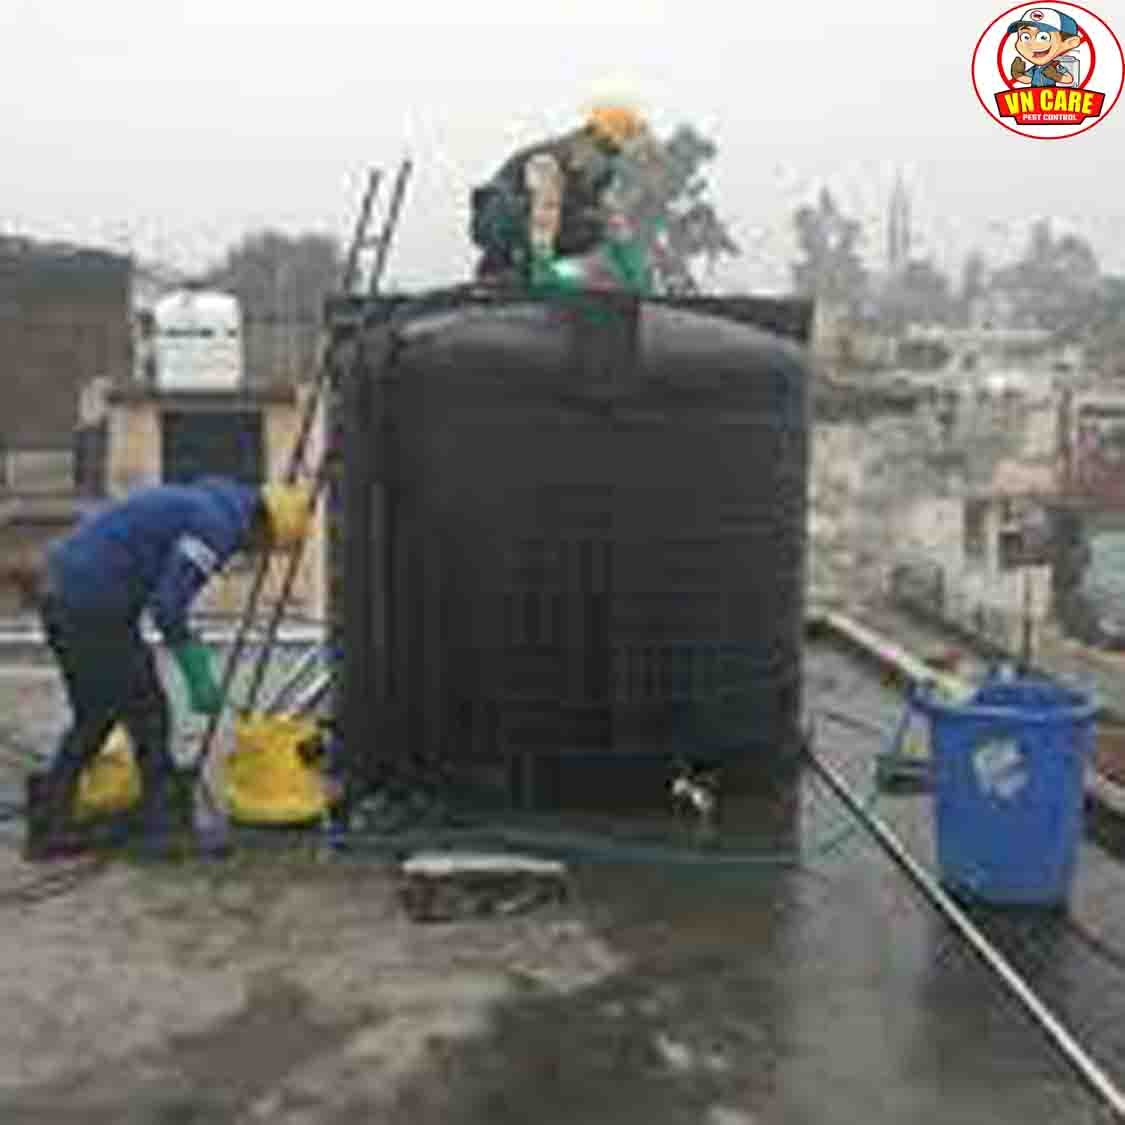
<point>1048,73</point>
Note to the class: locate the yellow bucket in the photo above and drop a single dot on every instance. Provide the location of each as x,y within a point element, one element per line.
<point>265,780</point>
<point>111,783</point>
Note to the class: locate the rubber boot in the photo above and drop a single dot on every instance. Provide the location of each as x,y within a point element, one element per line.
<point>51,830</point>
<point>35,817</point>
<point>210,824</point>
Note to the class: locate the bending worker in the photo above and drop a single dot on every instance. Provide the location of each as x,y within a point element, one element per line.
<point>155,550</point>
<point>583,162</point>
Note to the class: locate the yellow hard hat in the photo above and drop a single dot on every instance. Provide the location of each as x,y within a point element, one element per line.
<point>288,513</point>
<point>615,123</point>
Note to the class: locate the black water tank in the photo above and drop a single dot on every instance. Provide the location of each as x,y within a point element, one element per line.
<point>561,524</point>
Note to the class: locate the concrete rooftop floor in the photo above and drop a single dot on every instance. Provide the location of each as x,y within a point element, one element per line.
<point>278,988</point>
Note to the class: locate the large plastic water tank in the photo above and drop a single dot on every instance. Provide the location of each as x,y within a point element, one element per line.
<point>197,341</point>
<point>575,535</point>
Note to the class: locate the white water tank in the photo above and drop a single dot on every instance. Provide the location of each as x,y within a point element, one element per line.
<point>196,342</point>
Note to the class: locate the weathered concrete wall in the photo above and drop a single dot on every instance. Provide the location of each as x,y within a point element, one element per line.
<point>891,486</point>
<point>134,448</point>
<point>279,351</point>
<point>863,474</point>
<point>64,319</point>
<point>27,471</point>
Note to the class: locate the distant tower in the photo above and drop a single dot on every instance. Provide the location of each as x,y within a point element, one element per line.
<point>898,227</point>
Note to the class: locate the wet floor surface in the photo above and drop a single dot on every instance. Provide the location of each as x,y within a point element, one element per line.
<point>1075,962</point>
<point>823,991</point>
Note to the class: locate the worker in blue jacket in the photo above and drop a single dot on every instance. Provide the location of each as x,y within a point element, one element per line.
<point>155,550</point>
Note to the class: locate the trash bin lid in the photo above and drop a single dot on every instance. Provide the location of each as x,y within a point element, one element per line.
<point>1027,699</point>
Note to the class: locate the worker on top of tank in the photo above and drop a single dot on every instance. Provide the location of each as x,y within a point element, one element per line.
<point>154,551</point>
<point>567,175</point>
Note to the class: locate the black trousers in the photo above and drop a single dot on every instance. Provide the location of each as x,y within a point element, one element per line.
<point>110,676</point>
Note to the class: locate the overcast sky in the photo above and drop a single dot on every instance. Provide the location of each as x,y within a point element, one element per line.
<point>179,125</point>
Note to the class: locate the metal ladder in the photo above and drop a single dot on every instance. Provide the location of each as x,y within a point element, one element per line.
<point>380,243</point>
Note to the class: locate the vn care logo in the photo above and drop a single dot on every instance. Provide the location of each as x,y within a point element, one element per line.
<point>1048,73</point>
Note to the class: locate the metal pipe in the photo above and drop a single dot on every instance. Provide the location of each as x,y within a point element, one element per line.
<point>1076,1055</point>
<point>304,666</point>
<point>302,633</point>
<point>314,694</point>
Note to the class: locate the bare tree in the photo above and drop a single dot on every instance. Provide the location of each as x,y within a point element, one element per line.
<point>1055,282</point>
<point>830,268</point>
<point>279,277</point>
<point>661,185</point>
<point>1105,334</point>
<point>920,294</point>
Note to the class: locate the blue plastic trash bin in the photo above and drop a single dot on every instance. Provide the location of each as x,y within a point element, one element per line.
<point>1009,766</point>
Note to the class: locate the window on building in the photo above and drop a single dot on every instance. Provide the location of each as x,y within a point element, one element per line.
<point>211,443</point>
<point>976,525</point>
